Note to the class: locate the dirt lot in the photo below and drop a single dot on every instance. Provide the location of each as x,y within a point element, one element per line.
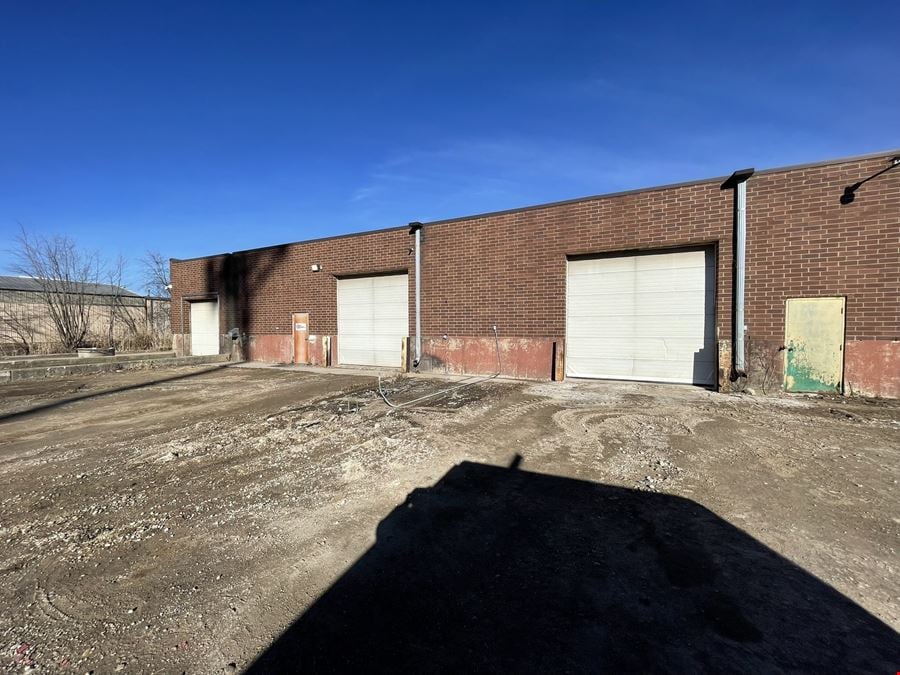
<point>231,519</point>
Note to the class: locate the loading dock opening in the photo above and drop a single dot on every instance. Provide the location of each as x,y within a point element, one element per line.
<point>204,327</point>
<point>373,319</point>
<point>642,316</point>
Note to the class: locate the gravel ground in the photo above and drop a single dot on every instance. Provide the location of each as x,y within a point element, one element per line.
<point>226,519</point>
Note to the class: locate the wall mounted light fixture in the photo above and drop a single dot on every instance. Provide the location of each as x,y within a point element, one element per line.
<point>850,191</point>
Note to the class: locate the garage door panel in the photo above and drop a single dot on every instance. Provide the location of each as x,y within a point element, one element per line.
<point>388,343</point>
<point>354,342</point>
<point>373,319</point>
<point>652,287</point>
<point>624,265</point>
<point>389,284</point>
<point>356,290</point>
<point>643,347</point>
<point>355,326</point>
<point>388,358</point>
<point>690,327</point>
<point>364,328</point>
<point>355,356</point>
<point>645,369</point>
<point>204,328</point>
<point>613,308</point>
<point>648,317</point>
<point>389,312</point>
<point>389,325</point>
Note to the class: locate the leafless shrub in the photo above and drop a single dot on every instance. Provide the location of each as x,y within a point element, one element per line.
<point>64,273</point>
<point>47,348</point>
<point>70,310</point>
<point>19,326</point>
<point>764,364</point>
<point>141,341</point>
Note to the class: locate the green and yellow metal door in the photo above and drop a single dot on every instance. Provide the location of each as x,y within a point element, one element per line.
<point>814,344</point>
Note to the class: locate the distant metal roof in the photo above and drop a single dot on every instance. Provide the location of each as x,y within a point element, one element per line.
<point>34,285</point>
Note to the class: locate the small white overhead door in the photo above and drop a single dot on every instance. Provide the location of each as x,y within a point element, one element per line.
<point>204,328</point>
<point>642,317</point>
<point>373,319</point>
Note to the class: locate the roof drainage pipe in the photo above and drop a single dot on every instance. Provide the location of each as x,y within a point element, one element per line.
<point>738,181</point>
<point>416,229</point>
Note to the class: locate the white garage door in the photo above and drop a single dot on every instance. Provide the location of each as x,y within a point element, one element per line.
<point>373,319</point>
<point>204,328</point>
<point>642,317</point>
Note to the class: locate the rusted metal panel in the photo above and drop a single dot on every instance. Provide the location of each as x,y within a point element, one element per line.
<point>814,341</point>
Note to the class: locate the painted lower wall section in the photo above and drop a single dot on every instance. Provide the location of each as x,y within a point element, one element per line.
<point>872,368</point>
<point>269,348</point>
<point>524,358</point>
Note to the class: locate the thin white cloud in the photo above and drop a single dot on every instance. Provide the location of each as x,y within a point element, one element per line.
<point>364,192</point>
<point>472,175</point>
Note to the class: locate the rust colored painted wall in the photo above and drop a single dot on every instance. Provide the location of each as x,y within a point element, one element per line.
<point>872,368</point>
<point>319,347</point>
<point>509,269</point>
<point>269,348</point>
<point>526,358</point>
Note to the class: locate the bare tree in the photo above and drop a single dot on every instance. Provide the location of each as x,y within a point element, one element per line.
<point>156,274</point>
<point>117,309</point>
<point>157,283</point>
<point>65,275</point>
<point>18,325</point>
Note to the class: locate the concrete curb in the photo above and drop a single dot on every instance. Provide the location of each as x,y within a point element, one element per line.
<point>105,365</point>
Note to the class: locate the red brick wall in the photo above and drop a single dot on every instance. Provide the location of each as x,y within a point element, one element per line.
<point>509,269</point>
<point>802,242</point>
<point>278,281</point>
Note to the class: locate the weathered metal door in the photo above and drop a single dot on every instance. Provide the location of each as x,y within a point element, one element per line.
<point>300,331</point>
<point>814,341</point>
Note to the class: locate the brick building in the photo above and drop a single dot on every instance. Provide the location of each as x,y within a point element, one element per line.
<point>634,285</point>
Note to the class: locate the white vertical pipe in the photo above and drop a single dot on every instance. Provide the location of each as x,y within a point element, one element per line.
<point>740,264</point>
<point>418,296</point>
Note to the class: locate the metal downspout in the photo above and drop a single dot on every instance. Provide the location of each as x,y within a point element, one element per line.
<point>740,261</point>
<point>416,228</point>
<point>738,181</point>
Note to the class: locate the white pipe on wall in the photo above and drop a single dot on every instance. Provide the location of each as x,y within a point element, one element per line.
<point>738,181</point>
<point>416,228</point>
<point>740,262</point>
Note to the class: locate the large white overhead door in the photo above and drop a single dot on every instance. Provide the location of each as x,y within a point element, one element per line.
<point>204,328</point>
<point>642,317</point>
<point>373,319</point>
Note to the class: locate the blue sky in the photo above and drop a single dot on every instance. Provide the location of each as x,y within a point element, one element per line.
<point>193,128</point>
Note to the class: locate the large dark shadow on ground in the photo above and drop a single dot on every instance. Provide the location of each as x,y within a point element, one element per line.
<point>503,570</point>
